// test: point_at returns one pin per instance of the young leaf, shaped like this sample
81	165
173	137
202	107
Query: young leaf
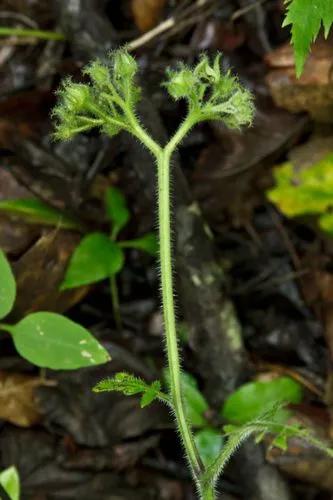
129	385
148	243
209	442
306	18
253	398
53	341
10	481
7	286
151	394
94	259
116	209
38	212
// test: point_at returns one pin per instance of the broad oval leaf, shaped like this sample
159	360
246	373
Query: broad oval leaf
116	209
10	482
253	398
7	286
53	341
95	258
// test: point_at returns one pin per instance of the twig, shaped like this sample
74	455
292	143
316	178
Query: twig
166	25
244	10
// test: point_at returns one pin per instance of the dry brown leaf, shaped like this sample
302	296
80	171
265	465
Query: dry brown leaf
147	13
18	403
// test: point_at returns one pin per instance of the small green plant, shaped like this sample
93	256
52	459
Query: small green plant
108	103
100	256
46	339
306	192
10	483
306	18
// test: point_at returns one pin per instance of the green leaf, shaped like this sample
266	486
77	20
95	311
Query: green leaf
94	259
209	443
37	212
305	192
326	223
306	18
129	385
151	394
252	399
7	286
148	243
116	209
195	403
53	341
10	481
281	441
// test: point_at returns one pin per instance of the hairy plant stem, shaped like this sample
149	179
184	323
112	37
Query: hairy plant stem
163	158
207	493
163	164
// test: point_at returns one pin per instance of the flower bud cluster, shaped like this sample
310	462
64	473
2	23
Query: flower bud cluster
211	94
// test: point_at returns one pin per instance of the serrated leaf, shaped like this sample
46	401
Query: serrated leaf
37	212
209	443
130	385
116	209
7	286
148	243
10	481
306	18
151	394
53	341
95	258
253	398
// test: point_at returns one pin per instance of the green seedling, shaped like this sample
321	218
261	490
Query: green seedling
47	339
108	103
307	192
100	256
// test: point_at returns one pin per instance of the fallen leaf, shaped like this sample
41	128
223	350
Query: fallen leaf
17	399
147	13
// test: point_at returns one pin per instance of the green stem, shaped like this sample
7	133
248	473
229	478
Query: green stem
163	163
22	32
207	493
115	303
6	327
